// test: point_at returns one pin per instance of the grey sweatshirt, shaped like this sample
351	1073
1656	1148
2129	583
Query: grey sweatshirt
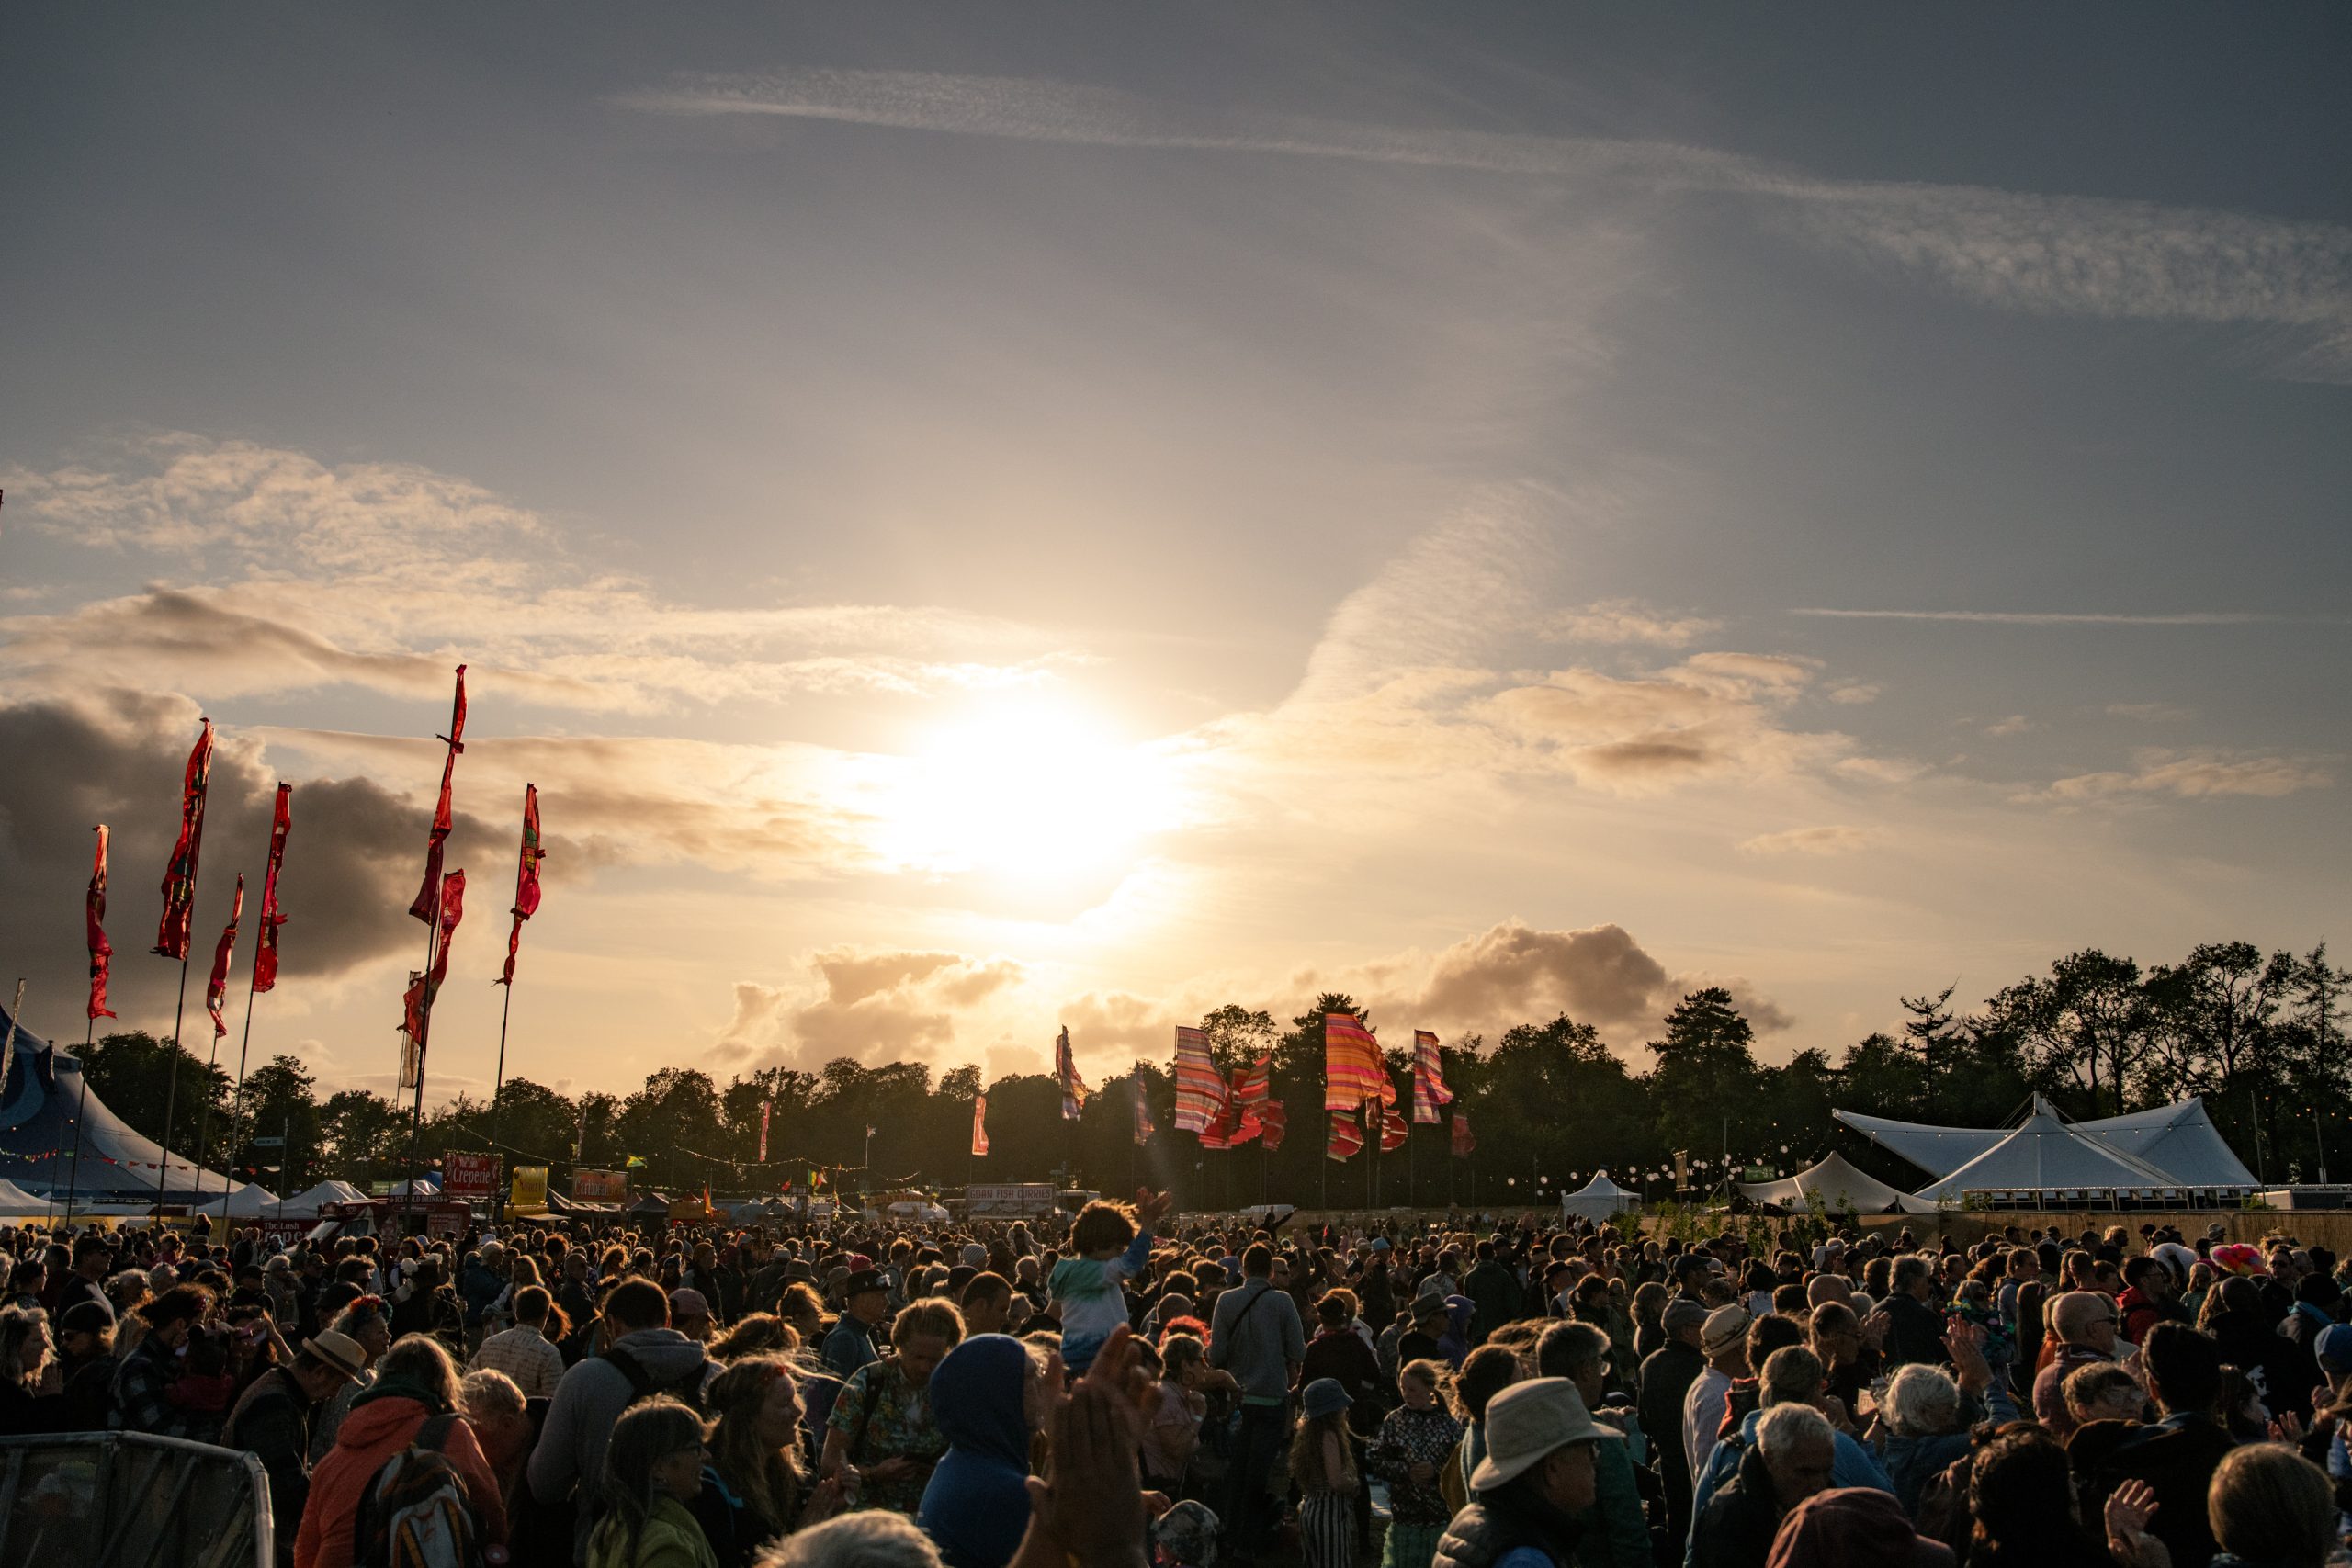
1268	1343
580	1419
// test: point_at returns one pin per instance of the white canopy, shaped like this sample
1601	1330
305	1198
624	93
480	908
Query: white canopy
305	1205
16	1201
1597	1200
2179	1140
2046	1155
1844	1188
246	1202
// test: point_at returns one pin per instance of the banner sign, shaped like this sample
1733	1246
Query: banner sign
530	1187
599	1186
469	1173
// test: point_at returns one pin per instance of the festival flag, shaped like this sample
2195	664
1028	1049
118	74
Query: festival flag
1200	1088
429	894
980	1125
179	877
416	1019
216	989
527	883
265	939
1273	1120
412	1027
1428	1079
1352	1070
1346	1137
1393	1130
767	1109
93	917
1143	1129
1257	1082
1074	1088
1463	1142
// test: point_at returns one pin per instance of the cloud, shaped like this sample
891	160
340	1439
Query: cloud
873	1005
1827	840
1627	621
1599	975
2074	617
2008	250
352	859
2153	713
1853	692
2015	724
2192	775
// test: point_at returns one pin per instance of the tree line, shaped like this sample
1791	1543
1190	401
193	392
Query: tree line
2260	1036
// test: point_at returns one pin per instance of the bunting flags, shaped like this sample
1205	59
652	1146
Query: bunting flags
216	989
1346	1137
527	883
767	1109
179	877
980	1125
1463	1142
1074	1090
272	917
429	894
1352	1070
1393	1130
1428	1079
1200	1088
416	1019
94	917
1143	1129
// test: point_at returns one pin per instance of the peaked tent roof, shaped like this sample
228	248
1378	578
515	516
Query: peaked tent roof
15	1199
325	1192
2179	1140
38	1105
2045	1154
1843	1186
1597	1199
246	1202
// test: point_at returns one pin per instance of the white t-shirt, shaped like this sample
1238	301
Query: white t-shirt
1702	1417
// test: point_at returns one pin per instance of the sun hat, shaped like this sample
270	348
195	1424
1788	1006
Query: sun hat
1324	1396
340	1351
1529	1420
1726	1327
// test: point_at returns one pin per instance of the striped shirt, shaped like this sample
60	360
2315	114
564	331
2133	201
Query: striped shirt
524	1354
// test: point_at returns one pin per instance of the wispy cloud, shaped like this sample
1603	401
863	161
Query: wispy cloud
1628	621
2068	255
2078	617
2153	713
2194	775
1825	840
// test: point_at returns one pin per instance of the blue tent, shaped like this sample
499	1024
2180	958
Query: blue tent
38	1101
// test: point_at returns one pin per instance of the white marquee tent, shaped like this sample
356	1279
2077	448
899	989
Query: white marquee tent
2179	1140
246	1203
1597	1200
15	1201
306	1205
2045	1155
1842	1186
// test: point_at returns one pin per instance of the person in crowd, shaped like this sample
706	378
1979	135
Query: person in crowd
1536	1479
1915	1330
92	1257
690	1315
642	1356
1341	1352
653	1468
86	1365
1724	1339
144	1381
501	1419
2087	1325
881	1440
413	1401
1792	1458
1616	1534
1409	1454
367	1322
1113	1244
1255	1334
1178	1404
28	1403
271	1420
753	1490
865	1302
1666	1376
2151	1296
2178	1454
1856	1525
2022	1505
1323	1468
986	1397
526	1352
2268	1507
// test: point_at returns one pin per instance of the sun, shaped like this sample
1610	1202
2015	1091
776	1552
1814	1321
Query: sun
1034	790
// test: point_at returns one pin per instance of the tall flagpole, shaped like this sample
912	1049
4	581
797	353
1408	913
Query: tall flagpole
172	1088
213	1065
81	1071
497	1089
424	1027
237	1106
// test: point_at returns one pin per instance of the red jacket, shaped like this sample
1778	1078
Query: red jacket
371	1435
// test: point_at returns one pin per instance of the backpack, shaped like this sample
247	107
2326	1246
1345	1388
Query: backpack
415	1514
642	1385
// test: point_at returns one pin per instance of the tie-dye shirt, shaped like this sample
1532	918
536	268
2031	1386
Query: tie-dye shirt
1093	1302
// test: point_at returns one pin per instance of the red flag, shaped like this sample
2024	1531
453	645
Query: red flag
1271	1117
766	1107
1346	1137
1393	1130
980	1125
93	917
1200	1088
1463	1142
416	1013
1257	1083
425	895
1352	1070
1143	1129
216	989
1074	1090
1428	1079
526	882
179	877
265	938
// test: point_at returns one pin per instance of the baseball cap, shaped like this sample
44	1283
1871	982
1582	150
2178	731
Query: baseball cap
1529	1420
861	1280
2334	1347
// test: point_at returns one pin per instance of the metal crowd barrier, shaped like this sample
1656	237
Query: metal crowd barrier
123	1500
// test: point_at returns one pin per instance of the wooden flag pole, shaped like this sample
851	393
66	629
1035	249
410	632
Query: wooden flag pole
237	1105
498	1087
171	1080
424	1025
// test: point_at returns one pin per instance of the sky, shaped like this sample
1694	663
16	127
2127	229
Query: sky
985	519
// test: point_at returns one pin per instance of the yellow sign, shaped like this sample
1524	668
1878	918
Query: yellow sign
530	1187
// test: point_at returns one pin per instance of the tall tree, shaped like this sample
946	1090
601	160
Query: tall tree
1703	1081
2085	1025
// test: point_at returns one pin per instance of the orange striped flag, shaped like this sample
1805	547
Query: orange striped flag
1346	1137
1352	1070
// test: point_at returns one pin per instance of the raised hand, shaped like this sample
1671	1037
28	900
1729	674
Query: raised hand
1093	1510
2129	1507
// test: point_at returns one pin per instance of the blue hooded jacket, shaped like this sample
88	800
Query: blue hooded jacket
977	1507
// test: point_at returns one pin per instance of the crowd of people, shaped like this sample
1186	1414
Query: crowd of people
1111	1389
